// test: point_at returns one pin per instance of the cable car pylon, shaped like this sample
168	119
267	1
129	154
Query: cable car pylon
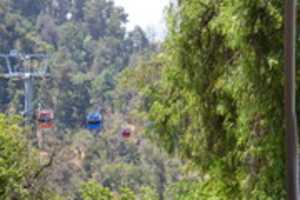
15	70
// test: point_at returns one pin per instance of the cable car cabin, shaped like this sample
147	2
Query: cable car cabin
126	133
94	122
45	119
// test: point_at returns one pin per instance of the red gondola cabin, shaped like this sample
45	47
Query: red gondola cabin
126	133
45	119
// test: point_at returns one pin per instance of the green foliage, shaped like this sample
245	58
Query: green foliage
93	191
13	159
186	190
148	193
218	100
18	164
127	194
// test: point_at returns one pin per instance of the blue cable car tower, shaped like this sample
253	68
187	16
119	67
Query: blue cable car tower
16	69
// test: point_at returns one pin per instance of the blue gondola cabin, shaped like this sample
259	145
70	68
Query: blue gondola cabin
94	122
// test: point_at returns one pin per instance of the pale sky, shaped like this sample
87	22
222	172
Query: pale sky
145	13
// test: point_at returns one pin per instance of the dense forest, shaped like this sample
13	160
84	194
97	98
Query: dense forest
204	106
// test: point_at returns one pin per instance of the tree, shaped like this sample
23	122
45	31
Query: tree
93	191
219	100
19	167
148	193
104	19
127	194
14	163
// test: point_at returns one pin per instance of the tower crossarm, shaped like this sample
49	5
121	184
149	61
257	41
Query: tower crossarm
28	71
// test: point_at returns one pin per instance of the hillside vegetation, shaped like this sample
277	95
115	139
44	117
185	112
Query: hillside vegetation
204	105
